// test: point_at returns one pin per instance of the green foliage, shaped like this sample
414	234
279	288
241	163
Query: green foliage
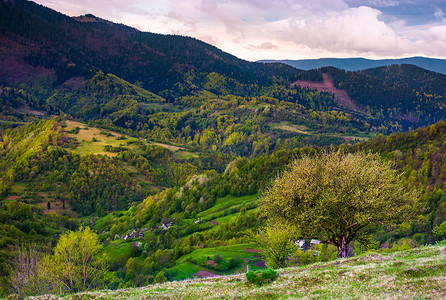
365	243
440	230
217	258
217	129
160	278
77	263
403	244
333	196
261	277
277	242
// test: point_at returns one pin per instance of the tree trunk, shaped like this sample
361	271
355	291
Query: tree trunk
342	248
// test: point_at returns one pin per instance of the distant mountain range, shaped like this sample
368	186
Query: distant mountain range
357	64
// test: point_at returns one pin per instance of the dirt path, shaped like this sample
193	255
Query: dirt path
327	85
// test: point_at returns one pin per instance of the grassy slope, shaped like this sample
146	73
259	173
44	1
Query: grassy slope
184	268
418	273
188	265
106	137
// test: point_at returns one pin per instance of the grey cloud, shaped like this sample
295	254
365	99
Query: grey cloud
374	28
263	46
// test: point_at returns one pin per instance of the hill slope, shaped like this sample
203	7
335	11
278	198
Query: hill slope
413	274
399	96
56	59
38	41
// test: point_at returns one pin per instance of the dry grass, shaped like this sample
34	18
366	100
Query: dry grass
414	274
57	207
93	141
290	127
180	152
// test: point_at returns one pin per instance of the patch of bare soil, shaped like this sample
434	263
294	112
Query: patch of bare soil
327	85
204	274
249	250
13	67
260	264
26	110
74	83
211	263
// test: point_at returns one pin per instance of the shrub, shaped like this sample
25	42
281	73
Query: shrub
235	261
217	258
261	277
160	278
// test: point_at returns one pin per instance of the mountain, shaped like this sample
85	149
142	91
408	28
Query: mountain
357	64
385	93
163	143
68	65
39	42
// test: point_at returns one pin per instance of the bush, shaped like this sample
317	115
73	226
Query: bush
235	261
160	278
217	258
261	277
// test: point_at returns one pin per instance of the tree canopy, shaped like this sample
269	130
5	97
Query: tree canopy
333	196
77	263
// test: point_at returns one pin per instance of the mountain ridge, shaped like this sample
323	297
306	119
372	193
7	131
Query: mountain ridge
358	64
69	47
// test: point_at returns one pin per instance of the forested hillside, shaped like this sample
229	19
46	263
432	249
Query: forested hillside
56	59
163	145
179	204
399	97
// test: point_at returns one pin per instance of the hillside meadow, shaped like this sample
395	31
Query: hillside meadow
417	273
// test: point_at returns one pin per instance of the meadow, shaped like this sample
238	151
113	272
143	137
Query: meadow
417	273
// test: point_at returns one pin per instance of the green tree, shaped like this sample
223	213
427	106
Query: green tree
277	242
77	263
439	231
333	196
160	278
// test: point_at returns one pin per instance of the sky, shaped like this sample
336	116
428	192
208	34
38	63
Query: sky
285	29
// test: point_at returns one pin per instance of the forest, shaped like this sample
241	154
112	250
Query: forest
180	205
159	157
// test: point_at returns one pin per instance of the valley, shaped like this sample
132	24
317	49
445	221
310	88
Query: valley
164	146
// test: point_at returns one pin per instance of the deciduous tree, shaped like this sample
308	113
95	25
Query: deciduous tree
277	242
333	196
77	263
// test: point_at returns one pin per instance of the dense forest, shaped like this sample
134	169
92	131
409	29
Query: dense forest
164	151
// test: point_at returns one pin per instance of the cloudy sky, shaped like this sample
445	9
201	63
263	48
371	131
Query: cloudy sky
286	29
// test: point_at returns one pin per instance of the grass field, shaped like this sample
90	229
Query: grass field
93	140
286	126
183	271
302	129
226	252
120	248
419	273
227	202
190	264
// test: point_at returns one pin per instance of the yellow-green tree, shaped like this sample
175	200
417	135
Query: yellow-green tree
277	243
78	262
333	196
